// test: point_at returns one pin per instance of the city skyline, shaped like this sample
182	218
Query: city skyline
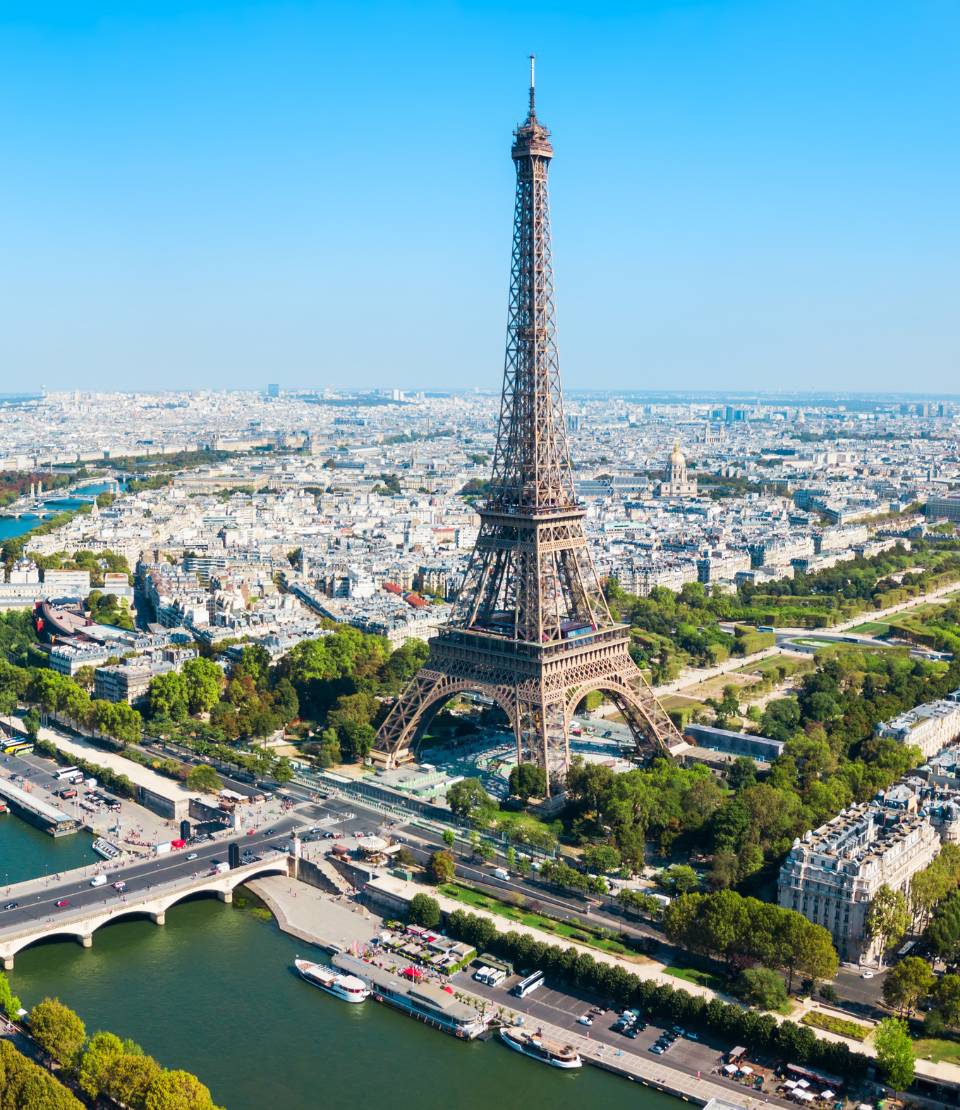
194	207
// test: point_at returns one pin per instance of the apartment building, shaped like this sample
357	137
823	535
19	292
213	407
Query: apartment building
833	874
68	658
126	683
929	727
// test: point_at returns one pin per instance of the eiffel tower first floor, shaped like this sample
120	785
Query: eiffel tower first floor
538	687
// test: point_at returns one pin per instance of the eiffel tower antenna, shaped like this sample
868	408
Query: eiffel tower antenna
530	627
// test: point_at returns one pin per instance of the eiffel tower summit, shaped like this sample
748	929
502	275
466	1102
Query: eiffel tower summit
530	627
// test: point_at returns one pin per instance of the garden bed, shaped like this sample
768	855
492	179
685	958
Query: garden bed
843	1027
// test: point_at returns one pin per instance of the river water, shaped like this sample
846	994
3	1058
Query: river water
11	526
214	991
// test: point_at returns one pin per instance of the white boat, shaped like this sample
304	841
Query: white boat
539	1047
346	987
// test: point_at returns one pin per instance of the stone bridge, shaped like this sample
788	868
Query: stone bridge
84	922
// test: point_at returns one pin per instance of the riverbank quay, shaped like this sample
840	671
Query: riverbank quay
654	1073
330	922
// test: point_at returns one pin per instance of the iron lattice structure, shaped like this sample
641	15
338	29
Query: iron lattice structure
531	628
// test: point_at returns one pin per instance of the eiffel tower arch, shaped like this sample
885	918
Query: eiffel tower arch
530	628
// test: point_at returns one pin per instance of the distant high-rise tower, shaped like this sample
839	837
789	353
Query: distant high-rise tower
273	391
531	628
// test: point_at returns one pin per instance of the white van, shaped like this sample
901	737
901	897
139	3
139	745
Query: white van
482	974
99	880
496	977
501	873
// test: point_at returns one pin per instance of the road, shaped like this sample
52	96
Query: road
351	816
140	877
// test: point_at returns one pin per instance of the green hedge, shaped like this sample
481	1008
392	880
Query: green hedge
758	1031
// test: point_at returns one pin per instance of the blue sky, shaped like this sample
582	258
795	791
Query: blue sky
224	194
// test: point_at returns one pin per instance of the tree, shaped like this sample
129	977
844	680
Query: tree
894	1052
523	865
58	1030
601	858
449	837
680	879
442	867
762	987
742	772
907	984
9	1002
486	851
177	1090
132	1076
946	994
469	800
887	917
282	770
818	958
96	1064
202	680
528	780
204	778
424	910
167	696
31	722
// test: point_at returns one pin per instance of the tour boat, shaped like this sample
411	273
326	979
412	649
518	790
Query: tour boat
539	1047
346	987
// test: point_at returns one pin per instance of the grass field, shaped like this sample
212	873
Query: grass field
871	628
683	970
560	929
938	1050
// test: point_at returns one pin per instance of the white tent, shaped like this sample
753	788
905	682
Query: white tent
807	1096
730	1068
828	1094
746	1070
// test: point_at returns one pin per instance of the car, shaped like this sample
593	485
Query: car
867	975
679	1030
657	1048
193	855
631	1032
358	835
269	832
11	905
328	836
119	885
692	1037
585	1020
64	902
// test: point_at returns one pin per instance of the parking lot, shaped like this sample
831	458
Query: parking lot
563	1008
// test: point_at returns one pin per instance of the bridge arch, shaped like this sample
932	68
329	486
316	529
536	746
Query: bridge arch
400	739
627	701
82	930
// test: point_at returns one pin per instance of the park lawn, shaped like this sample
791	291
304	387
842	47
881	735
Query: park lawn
679	701
937	1049
871	628
683	970
560	929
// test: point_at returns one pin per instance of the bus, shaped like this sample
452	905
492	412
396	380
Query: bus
525	986
68	772
19	747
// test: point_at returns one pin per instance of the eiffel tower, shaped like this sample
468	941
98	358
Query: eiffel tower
530	628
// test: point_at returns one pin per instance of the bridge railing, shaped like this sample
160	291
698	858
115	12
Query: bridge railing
85	913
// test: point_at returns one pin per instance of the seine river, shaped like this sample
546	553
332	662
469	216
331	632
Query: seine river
214	992
11	526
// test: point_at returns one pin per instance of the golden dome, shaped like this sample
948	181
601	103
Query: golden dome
677	457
